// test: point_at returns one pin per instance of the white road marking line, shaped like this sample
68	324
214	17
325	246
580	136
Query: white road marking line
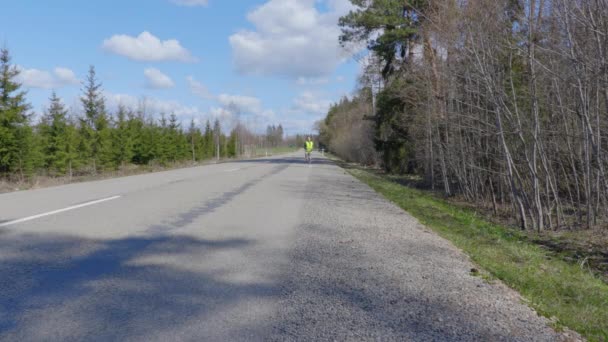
54	212
232	170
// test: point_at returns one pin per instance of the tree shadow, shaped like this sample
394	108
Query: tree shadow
62	287
288	160
67	288
59	287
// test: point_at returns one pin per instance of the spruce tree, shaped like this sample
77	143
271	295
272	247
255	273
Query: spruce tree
95	125
71	147
122	139
232	144
217	137
16	140
280	134
194	140
143	150
178	146
208	139
163	137
53	130
147	147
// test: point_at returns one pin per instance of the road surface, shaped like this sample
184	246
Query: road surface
267	249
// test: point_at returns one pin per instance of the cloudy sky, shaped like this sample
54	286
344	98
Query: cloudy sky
274	61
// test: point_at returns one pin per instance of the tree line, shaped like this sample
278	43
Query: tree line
502	102
60	144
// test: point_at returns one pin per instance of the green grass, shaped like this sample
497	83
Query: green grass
564	292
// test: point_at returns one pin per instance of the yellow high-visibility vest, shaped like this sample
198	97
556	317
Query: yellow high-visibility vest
309	146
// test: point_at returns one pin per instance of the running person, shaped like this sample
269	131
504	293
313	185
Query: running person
308	147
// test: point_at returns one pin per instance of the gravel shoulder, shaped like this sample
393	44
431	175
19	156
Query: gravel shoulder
363	269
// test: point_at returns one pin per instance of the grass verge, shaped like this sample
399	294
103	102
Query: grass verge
568	294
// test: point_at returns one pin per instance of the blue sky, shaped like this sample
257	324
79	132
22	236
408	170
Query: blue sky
271	61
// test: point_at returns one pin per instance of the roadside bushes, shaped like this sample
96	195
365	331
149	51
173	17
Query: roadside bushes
347	132
501	102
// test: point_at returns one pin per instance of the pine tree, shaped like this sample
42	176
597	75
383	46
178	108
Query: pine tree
280	134
150	141
176	139
389	27
15	131
143	148
163	148
53	131
122	139
269	135
231	144
208	139
194	139
95	125
217	137
71	147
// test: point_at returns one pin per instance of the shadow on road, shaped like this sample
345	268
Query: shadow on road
333	287
289	160
56	287
65	288
62	288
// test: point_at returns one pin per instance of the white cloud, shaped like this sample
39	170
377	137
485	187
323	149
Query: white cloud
233	103
147	47
157	80
292	38
226	114
299	126
267	114
307	81
152	105
222	114
34	78
198	89
308	102
65	76
228	117
246	104
191	3
58	78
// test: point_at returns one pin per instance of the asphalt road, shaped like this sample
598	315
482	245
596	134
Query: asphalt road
268	249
